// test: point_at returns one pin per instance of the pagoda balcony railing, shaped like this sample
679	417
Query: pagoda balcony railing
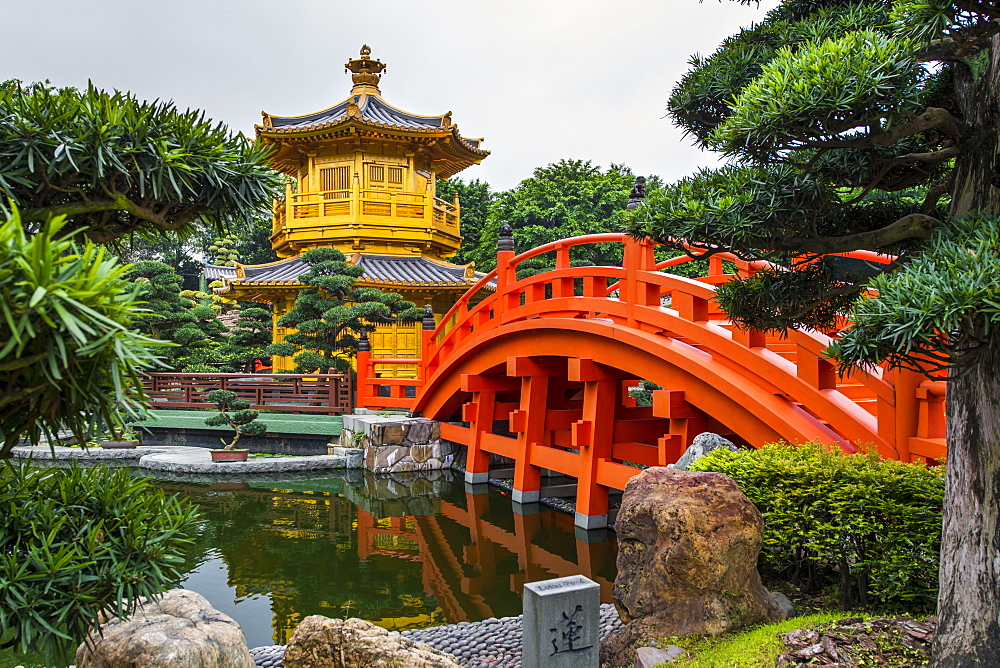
445	213
360	205
279	216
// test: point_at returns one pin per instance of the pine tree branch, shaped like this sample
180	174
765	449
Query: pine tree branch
916	226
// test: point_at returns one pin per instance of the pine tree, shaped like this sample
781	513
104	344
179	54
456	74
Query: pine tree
330	313
869	125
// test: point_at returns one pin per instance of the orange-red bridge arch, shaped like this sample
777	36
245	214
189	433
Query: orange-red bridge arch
537	369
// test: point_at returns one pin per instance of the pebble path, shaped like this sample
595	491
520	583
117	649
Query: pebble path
491	643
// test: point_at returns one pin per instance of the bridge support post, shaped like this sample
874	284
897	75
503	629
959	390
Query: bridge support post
479	414
593	435
529	423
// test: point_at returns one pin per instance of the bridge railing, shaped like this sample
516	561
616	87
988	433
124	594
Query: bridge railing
375	392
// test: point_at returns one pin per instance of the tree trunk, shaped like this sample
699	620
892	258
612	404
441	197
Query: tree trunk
969	600
977	172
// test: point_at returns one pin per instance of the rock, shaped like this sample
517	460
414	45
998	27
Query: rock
784	603
392	434
687	560
420	431
646	657
321	642
180	629
702	444
421	453
354	456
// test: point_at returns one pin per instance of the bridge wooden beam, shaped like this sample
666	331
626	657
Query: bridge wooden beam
673	404
818	372
637	453
689	306
643	431
521	367
751	338
584	370
471	382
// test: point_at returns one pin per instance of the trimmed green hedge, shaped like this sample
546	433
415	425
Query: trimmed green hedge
871	524
75	542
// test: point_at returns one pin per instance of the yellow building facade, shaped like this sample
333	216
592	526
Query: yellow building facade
362	177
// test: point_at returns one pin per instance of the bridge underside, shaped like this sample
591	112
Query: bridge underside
553	394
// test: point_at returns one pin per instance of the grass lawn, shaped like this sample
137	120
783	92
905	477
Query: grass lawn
752	647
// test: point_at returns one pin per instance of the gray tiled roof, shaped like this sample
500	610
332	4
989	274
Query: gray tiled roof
214	272
377	268
288	270
371	109
388	267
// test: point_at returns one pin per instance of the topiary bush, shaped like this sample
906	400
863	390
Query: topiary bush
75	542
871	525
236	414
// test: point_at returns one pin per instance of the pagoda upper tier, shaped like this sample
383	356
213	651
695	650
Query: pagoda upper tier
363	174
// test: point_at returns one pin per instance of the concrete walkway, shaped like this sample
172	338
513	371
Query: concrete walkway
181	459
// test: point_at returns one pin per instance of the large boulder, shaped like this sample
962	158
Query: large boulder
702	444
687	560
179	629
321	642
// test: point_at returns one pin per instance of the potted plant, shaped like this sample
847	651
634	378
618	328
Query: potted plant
237	415
120	439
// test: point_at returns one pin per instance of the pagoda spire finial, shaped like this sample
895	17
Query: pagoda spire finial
365	72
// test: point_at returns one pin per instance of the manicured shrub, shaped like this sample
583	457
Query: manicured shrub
871	523
234	413
75	542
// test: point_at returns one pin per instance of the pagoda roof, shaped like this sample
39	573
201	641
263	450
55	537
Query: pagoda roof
216	272
366	113
371	109
390	270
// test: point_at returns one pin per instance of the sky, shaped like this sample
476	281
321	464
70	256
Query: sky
539	80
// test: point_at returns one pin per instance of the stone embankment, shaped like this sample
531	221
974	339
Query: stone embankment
491	643
180	459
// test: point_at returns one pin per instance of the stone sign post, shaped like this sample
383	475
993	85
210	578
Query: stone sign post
561	623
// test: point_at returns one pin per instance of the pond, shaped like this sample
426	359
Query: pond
402	551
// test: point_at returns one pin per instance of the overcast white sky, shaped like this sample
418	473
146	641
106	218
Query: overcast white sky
540	80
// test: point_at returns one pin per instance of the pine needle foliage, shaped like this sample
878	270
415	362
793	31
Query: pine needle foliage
330	314
234	413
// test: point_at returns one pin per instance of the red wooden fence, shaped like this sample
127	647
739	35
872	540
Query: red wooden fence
330	394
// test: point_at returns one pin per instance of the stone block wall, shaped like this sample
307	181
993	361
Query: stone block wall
392	444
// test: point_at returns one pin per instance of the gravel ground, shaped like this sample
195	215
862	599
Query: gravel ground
491	643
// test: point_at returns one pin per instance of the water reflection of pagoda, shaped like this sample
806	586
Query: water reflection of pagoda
362	177
316	552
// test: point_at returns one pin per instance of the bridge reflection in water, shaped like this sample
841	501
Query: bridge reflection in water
403	551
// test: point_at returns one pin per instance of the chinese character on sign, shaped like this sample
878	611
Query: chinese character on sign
566	638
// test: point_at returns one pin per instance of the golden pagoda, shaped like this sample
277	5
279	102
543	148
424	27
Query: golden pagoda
362	179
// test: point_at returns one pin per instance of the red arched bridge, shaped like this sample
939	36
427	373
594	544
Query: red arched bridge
538	369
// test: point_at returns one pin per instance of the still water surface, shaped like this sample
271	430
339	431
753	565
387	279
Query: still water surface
402	551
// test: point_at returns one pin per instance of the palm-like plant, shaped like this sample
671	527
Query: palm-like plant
69	355
114	165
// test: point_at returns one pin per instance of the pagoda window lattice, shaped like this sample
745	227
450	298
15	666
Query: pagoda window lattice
336	182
